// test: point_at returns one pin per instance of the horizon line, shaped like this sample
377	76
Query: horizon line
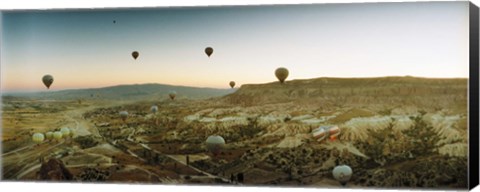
2	91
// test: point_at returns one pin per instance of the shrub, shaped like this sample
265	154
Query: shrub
86	141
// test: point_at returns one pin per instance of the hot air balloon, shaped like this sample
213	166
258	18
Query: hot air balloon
209	51
282	74
232	84
47	80
154	109
124	115
215	144
172	95
326	131
65	132
135	54
57	135
49	135
38	138
342	174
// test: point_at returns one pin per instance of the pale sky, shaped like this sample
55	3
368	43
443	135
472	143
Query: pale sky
85	49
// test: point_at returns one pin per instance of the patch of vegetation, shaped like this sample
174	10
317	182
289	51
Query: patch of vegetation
252	128
434	172
410	158
93	174
387	145
424	138
86	141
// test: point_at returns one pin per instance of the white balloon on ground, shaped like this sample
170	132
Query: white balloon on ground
342	173
49	135
65	132
215	144
57	135
323	132
172	95
124	115
154	108
38	137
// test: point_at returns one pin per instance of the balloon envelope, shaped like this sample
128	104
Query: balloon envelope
209	51
47	80
282	74
57	135
323	132
65	132
49	135
38	137
172	95
232	84
215	143
342	173
123	115
154	108
135	54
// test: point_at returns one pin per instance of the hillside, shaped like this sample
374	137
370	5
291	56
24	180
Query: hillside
126	92
353	91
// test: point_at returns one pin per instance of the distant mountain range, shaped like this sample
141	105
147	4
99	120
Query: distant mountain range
126	92
346	90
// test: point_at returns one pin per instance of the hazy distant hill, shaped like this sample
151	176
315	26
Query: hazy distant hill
328	91
355	90
127	92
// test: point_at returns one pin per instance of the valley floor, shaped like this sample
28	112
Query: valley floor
269	144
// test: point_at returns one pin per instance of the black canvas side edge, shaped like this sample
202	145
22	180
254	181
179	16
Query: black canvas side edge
473	157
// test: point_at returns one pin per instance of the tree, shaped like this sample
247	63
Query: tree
425	140
420	139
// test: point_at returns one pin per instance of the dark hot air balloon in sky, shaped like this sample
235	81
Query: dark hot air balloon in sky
232	84
47	80
135	54
282	74
209	51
